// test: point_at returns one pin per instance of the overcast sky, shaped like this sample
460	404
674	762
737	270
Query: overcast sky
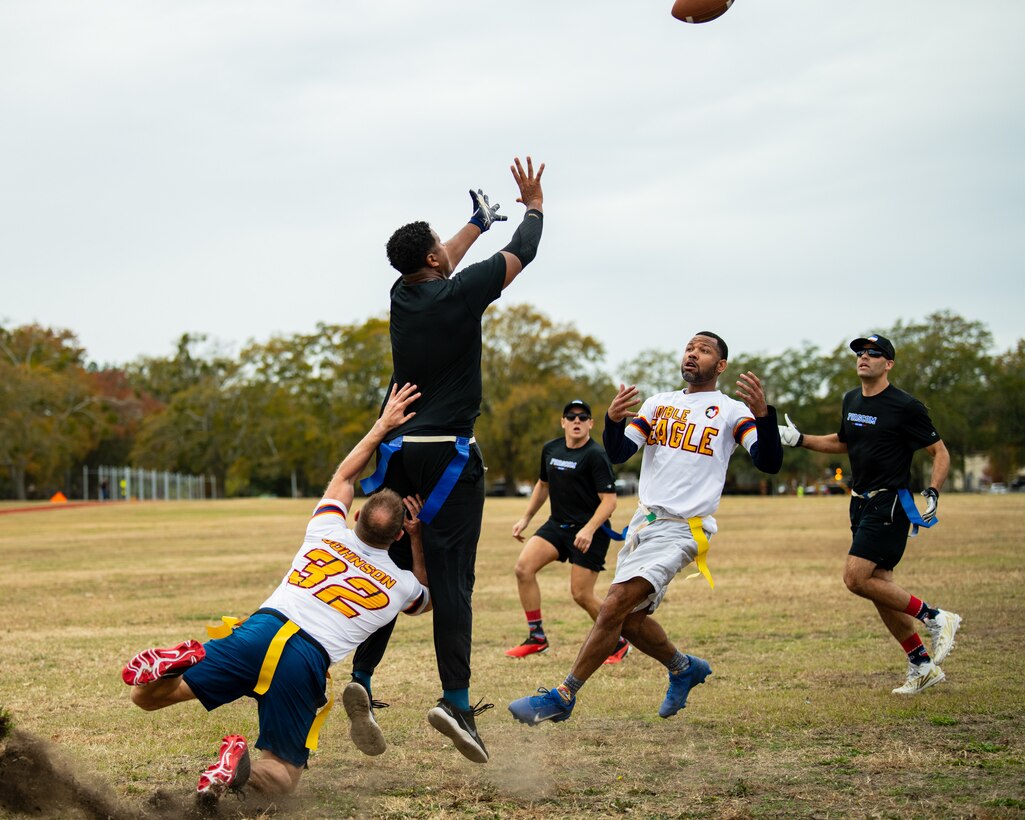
797	170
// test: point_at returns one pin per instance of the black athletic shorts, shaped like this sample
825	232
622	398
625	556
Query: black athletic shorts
880	528
561	537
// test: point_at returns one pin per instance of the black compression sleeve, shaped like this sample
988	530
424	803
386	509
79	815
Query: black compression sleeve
524	242
767	452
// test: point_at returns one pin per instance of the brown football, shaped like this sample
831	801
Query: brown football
700	11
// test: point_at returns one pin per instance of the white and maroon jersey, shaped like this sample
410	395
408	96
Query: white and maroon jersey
340	590
687	441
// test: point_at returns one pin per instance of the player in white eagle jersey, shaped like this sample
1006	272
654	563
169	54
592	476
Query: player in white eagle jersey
342	586
688	437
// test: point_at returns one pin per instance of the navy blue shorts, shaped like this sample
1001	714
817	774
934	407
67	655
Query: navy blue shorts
231	669
880	528
561	537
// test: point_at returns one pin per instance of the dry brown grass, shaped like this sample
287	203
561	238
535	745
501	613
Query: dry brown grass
797	720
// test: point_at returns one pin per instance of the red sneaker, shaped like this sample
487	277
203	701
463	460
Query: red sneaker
231	771
531	646
621	651
151	664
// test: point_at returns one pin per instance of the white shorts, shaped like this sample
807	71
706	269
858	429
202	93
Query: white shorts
655	552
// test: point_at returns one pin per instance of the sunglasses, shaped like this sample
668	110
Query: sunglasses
871	352
577	417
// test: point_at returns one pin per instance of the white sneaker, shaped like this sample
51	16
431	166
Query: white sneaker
920	677
942	630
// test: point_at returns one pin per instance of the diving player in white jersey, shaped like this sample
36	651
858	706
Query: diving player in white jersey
688	437
341	587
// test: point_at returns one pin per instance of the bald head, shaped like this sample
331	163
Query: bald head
380	519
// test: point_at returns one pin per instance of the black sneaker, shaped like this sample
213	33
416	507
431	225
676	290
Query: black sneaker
460	727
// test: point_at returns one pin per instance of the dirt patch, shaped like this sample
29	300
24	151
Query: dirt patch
35	782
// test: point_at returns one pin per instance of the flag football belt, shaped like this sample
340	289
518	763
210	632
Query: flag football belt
615	535
697	531
273	656
907	501
444	485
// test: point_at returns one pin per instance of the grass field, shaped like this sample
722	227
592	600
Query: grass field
797	720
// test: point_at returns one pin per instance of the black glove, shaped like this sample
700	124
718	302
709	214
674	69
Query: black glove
484	213
932	496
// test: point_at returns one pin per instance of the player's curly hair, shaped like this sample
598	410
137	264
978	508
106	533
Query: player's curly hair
380	518
408	247
724	352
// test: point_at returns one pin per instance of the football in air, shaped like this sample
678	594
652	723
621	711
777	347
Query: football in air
700	11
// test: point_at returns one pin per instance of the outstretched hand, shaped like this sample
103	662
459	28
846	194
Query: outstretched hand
626	399
394	413
484	213
790	436
529	183
749	388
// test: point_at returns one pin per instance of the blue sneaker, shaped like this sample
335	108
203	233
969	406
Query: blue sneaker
548	705
680	686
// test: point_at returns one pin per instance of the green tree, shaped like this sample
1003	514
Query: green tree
50	415
651	371
531	367
945	362
1007	412
312	398
203	427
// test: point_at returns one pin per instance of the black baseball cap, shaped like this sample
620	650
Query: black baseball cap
881	342
577	403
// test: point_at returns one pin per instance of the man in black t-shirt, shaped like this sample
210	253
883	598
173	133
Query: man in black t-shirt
881	427
576	476
436	345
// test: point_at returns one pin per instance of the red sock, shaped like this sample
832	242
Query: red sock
533	615
914	607
915	649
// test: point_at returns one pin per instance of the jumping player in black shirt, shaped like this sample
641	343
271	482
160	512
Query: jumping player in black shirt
880	429
436	334
576	475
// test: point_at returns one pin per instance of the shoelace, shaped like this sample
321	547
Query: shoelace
379	704
478	709
542	691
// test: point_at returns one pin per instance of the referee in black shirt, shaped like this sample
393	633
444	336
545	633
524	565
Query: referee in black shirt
436	345
880	429
576	476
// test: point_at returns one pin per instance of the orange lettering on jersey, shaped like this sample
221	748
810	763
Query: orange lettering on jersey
361	591
321	565
687	444
660	431
667	411
675	434
369	569
705	447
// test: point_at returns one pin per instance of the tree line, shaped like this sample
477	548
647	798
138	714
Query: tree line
282	412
